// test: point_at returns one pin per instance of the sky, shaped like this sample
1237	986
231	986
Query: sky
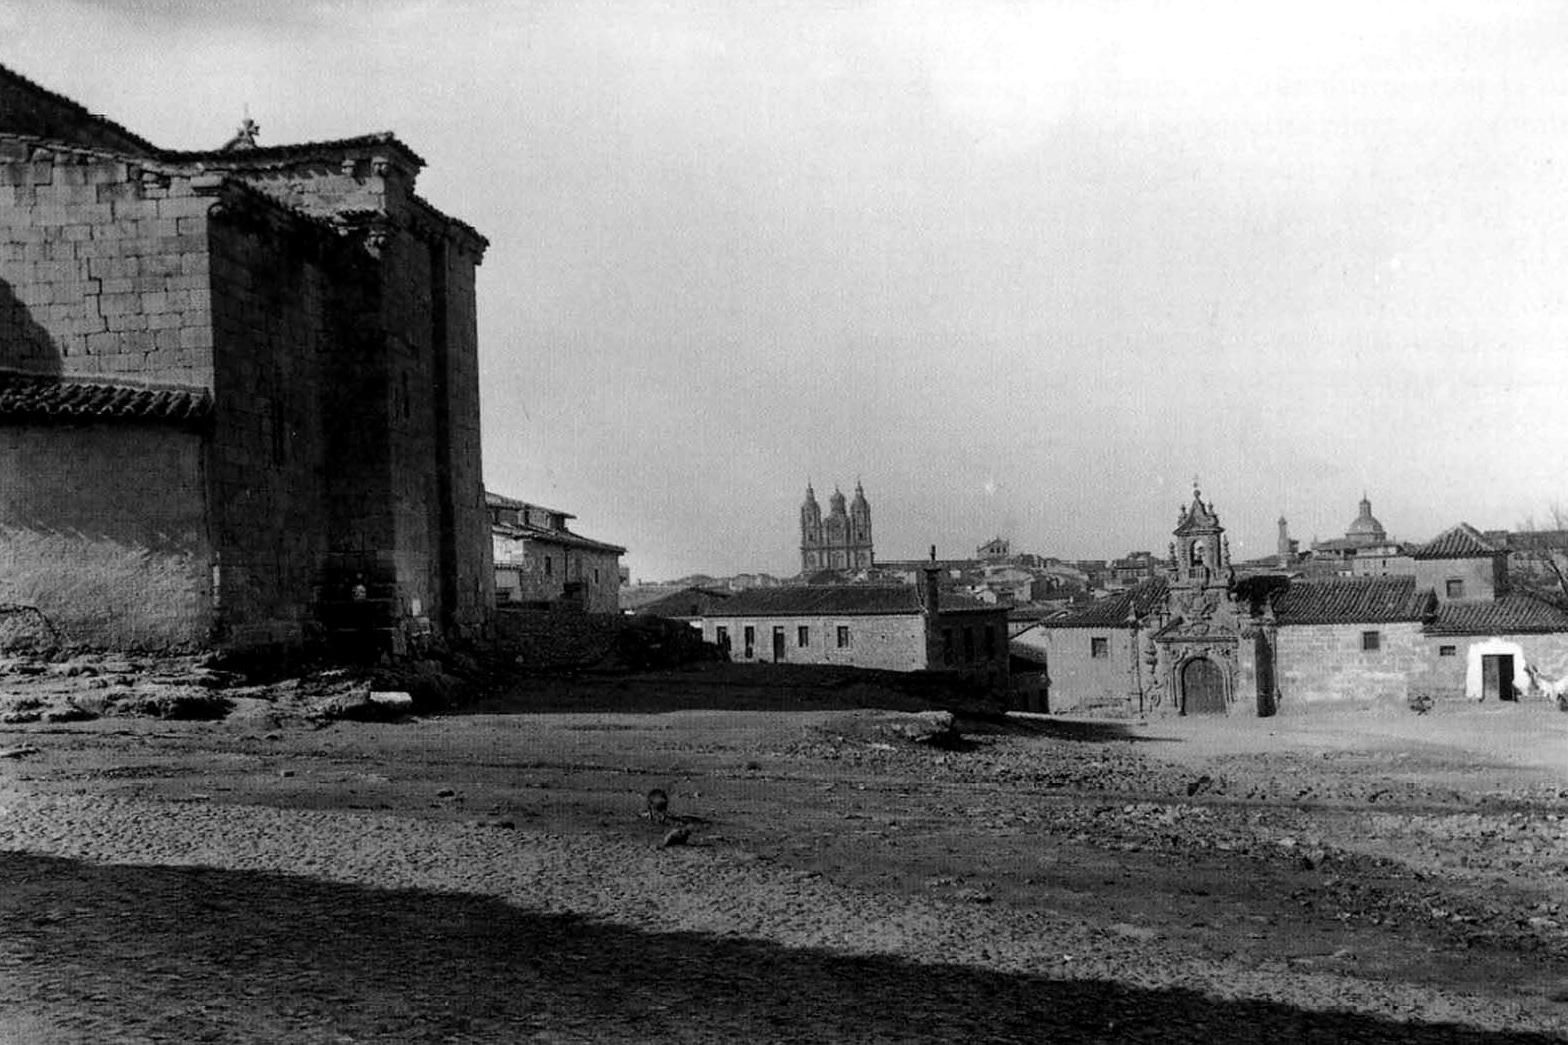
1022	269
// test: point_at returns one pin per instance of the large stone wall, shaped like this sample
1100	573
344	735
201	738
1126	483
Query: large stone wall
1324	664
103	268
892	642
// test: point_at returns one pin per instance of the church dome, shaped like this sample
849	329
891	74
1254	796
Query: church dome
1365	526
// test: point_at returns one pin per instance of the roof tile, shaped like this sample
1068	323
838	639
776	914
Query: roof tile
1112	611
30	397
1457	542
1352	600
1510	614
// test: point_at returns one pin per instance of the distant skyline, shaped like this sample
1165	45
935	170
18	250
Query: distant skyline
1023	269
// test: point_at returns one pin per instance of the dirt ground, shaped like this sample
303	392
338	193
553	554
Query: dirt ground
489	876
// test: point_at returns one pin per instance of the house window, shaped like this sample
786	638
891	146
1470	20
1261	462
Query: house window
749	635
990	642
843	636
1099	647
549	566
802	636
721	638
1448	651
1455	587
969	645
596	575
947	645
1371	640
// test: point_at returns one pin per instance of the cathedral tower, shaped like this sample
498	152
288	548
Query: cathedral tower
842	540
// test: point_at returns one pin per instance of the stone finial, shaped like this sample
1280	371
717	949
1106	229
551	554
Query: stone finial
245	137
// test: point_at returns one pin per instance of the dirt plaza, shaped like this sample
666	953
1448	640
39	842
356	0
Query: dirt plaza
490	875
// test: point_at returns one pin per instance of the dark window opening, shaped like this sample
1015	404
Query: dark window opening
843	636
749	636
990	642
1455	588
947	645
1099	648
969	645
803	636
1448	651
1371	640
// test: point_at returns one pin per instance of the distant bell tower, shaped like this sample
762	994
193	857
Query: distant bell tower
860	555
1200	552
811	551
1287	548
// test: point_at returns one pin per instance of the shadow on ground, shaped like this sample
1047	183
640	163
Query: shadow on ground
724	687
1088	732
118	953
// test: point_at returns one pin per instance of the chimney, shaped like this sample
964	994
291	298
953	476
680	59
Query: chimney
933	573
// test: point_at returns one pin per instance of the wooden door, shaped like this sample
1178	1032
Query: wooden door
1497	677
1202	688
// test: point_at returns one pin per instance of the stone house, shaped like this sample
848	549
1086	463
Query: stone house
1206	642
889	627
539	561
242	381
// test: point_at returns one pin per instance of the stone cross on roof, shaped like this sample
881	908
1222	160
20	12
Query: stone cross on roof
245	137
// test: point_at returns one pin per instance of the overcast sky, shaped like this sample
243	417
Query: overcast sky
1023	268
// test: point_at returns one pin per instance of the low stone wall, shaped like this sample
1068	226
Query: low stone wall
556	639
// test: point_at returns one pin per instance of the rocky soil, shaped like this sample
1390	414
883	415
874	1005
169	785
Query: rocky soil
273	868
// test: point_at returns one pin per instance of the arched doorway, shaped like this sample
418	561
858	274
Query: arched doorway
1202	688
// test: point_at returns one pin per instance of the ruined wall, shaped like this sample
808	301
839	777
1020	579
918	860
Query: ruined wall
1081	683
892	642
81	539
103	268
1324	664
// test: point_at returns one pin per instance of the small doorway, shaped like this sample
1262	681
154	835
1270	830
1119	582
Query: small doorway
778	645
1202	688
1497	677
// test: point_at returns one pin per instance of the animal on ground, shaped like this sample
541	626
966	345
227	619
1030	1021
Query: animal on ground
658	806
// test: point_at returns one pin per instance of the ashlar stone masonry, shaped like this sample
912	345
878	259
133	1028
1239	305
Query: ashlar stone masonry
317	319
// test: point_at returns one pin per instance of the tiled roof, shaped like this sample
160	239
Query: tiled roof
827	599
1111	612
565	538
30	397
1352	600
1507	615
278	155
688	602
1458	542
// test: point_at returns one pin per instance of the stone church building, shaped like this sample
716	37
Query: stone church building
238	388
842	541
1205	641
